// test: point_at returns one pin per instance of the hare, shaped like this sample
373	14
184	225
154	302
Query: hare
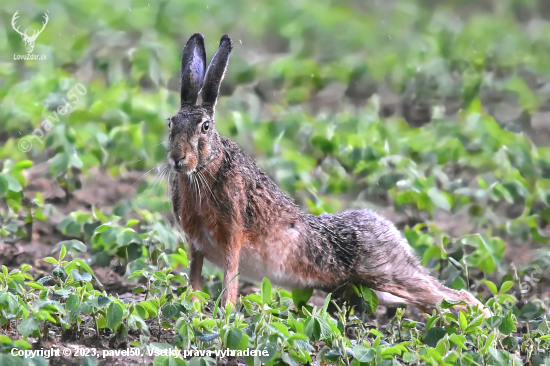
238	219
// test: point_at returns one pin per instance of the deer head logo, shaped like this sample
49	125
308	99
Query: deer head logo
29	40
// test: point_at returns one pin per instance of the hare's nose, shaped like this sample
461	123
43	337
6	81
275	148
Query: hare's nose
178	159
179	162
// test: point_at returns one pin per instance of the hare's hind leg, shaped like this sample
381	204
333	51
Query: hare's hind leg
425	292
385	298
386	263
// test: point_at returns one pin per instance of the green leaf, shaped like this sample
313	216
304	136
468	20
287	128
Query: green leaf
326	304
505	287
447	304
270	349
462	321
128	236
288	359
72	302
507	326
266	290
27	326
87	306
161	361
71	245
491	286
22	344
298	337
59	272
3	186
81	276
59	164
527	99
138	290
87	269
17	170
103	300
410	358
131	223
207	337
201	361
233	338
13	184
280	327
36	285
370	298
140	310
13	302
61	294
169	311
433	251
458	340
102	322
334	354
300	297
114	315
434	335
313	329
488	343
63	252
363	354
152	309
476	322
325	145
439	199
50	260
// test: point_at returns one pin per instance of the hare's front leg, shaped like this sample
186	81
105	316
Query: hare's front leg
231	269
195	273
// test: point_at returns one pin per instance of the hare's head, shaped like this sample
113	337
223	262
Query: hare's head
193	140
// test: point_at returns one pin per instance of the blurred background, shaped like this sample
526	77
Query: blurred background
434	113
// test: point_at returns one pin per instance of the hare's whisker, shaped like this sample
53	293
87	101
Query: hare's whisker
144	174
199	182
201	176
168	184
164	177
204	168
167	189
152	183
198	190
195	188
159	178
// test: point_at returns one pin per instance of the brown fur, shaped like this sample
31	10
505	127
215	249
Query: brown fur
237	218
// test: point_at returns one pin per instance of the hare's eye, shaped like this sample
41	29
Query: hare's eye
205	126
170	123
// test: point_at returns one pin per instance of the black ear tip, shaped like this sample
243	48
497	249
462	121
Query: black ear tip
197	37
226	39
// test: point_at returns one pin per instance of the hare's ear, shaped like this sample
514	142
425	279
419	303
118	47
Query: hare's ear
214	75
193	64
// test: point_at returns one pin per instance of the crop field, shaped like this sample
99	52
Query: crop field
435	114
